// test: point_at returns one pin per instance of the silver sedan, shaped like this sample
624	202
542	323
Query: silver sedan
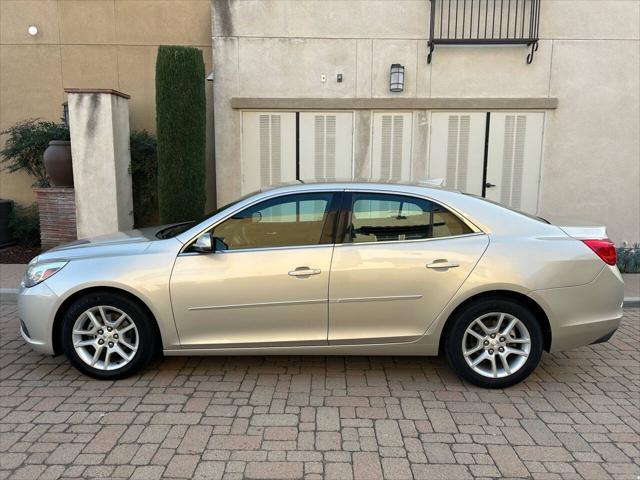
330	269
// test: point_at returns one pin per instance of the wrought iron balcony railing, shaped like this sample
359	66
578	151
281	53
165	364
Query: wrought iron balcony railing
484	22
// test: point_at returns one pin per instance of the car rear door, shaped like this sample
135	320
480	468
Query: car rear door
401	260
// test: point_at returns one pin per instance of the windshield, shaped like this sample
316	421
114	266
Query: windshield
528	215
178	228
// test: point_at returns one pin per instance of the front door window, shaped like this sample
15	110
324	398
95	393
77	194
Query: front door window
287	221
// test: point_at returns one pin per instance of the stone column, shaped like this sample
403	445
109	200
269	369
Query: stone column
99	124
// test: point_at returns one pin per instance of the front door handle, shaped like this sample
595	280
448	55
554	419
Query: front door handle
489	185
304	272
442	264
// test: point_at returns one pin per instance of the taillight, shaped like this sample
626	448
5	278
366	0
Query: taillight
605	249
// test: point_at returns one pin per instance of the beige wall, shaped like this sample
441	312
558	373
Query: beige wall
89	44
588	59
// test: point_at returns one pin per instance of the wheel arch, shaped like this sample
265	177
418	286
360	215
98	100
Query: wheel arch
64	306
521	298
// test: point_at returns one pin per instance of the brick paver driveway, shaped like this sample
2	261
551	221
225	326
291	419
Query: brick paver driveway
313	417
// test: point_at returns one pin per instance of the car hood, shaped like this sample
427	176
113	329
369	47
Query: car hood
119	243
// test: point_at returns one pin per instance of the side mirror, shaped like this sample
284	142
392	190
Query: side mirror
204	243
207	243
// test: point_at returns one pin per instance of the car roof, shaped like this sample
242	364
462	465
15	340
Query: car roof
427	183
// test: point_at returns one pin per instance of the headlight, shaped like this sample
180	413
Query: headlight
39	272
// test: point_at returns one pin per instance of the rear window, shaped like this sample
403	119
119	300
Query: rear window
528	215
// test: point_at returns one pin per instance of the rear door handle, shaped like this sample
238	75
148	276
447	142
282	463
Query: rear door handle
442	264
304	272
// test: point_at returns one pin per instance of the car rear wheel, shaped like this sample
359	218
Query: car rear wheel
494	343
107	336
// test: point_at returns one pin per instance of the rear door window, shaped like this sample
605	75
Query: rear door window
378	217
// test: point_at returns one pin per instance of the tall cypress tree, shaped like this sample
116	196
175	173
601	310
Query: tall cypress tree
181	133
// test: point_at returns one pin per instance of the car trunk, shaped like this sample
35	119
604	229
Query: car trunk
585	232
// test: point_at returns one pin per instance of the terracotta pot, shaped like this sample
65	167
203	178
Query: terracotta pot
57	163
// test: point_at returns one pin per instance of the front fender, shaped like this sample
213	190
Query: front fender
145	277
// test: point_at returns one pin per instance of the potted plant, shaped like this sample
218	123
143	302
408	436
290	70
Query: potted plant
629	258
26	148
57	156
57	163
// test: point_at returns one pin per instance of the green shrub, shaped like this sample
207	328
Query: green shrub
629	258
24	225
144	178
181	130
26	144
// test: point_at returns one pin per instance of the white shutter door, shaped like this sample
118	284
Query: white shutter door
456	149
513	165
268	149
326	145
391	153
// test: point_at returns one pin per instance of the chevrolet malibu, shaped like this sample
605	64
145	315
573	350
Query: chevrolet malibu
330	269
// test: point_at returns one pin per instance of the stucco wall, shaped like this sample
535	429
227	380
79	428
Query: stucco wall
587	58
90	44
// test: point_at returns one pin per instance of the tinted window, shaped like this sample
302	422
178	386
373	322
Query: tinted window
290	220
446	223
380	217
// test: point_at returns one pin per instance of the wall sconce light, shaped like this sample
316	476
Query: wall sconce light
396	78
32	30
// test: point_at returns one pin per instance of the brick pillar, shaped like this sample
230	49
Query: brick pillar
57	208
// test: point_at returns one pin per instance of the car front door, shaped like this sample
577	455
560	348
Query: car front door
402	260
268	283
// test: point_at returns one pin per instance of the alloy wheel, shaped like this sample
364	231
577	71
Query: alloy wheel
105	337
496	345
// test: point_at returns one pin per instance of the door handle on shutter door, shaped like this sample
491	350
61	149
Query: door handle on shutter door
442	263
304	272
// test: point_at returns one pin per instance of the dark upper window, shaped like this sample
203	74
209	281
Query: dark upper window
377	217
290	220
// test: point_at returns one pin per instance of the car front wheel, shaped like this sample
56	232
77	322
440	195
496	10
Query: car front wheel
494	343
107	336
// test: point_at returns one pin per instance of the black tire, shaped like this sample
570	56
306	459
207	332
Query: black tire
463	319
138	315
